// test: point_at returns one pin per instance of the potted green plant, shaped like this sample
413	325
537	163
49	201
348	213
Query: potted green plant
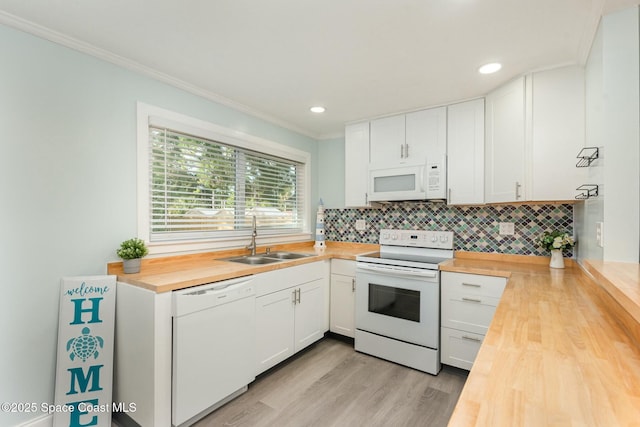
556	241
131	251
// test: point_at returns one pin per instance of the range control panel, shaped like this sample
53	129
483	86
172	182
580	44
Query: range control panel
417	238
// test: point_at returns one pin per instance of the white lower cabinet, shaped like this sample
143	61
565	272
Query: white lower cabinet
343	297
468	302
290	311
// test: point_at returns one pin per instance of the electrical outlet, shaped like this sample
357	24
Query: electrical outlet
507	229
600	234
361	225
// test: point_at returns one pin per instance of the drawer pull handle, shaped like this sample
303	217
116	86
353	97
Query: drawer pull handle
471	299
466	337
474	285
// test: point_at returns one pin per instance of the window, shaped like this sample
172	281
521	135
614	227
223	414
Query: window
206	183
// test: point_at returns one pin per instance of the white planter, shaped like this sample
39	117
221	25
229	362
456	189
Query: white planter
557	261
131	265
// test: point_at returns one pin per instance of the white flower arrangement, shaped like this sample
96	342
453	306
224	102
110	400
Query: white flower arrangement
551	240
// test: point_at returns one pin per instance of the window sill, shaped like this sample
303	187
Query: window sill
194	246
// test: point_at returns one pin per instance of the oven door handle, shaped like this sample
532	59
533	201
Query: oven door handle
397	271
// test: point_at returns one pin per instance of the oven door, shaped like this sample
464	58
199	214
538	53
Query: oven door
399	302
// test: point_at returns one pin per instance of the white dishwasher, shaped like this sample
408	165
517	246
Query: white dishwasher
213	347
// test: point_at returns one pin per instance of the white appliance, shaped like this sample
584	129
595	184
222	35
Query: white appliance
213	347
398	298
422	182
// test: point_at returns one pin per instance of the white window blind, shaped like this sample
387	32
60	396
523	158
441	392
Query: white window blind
201	188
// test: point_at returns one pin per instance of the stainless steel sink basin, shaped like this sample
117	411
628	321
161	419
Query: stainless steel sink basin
252	260
269	258
285	255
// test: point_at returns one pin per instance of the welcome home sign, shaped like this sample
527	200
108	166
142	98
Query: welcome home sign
84	370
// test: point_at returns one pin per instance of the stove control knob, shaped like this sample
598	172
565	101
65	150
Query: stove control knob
385	236
443	239
394	237
434	239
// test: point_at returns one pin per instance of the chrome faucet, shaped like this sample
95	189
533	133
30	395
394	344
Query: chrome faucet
254	233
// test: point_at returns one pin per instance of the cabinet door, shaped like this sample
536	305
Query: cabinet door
387	141
558	133
274	328
459	348
309	314
343	305
505	143
465	148
356	164
426	136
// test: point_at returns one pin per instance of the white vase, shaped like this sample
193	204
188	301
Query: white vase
557	261
131	265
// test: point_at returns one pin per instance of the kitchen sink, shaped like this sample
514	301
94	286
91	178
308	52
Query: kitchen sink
285	255
266	258
252	260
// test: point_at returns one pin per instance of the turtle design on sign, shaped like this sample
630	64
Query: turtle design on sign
84	346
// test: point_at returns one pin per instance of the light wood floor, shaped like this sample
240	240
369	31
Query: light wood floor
330	384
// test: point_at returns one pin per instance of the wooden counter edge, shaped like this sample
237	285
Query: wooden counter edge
617	303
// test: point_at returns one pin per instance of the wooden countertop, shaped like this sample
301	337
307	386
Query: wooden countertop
558	352
178	272
563	347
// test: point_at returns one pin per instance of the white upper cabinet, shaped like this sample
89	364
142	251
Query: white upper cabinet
535	127
387	141
505	143
409	139
558	133
426	136
465	147
356	156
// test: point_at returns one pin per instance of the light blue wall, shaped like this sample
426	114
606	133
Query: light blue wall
613	124
68	173
331	172
591	211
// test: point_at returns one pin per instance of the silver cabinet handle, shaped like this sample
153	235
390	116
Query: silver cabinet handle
518	185
470	299
298	291
293	296
466	337
406	150
402	151
473	285
449	195
353	284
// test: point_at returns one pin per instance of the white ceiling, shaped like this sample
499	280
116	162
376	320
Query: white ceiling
360	59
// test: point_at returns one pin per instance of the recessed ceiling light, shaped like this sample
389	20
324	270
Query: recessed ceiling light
317	109
489	68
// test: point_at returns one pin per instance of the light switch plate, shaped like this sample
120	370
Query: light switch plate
600	234
361	225
507	229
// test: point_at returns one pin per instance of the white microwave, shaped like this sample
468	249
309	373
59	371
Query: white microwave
425	182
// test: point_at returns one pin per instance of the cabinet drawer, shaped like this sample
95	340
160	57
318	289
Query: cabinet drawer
470	285
343	266
468	314
459	348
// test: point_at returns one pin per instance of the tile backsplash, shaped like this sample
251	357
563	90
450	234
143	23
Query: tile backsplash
476	228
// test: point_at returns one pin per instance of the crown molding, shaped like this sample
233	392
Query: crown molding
105	55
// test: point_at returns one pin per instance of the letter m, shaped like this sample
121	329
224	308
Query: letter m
78	377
